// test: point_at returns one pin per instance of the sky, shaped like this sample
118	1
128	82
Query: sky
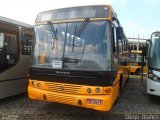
137	17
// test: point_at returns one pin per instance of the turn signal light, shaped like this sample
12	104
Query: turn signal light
107	90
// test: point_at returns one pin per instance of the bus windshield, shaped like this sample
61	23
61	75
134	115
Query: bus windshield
154	55
75	46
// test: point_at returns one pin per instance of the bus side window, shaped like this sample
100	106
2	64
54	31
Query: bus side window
114	38
120	46
115	49
1	40
26	41
3	52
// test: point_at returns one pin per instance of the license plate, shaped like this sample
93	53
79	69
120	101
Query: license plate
94	101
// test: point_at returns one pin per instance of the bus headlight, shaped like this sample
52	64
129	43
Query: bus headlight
32	83
98	90
150	75
89	90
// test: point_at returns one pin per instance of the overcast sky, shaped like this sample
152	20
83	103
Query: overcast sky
136	16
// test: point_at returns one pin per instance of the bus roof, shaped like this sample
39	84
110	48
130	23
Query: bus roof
15	22
95	11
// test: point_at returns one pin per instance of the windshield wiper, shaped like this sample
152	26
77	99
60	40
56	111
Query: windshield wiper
53	33
78	32
81	27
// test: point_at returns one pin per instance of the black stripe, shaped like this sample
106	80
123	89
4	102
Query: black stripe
96	78
13	79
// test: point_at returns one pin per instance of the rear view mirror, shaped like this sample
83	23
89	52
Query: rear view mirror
144	50
120	33
145	47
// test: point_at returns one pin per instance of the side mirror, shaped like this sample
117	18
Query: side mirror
145	48
120	33
148	41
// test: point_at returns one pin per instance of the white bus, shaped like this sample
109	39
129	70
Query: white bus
15	52
153	77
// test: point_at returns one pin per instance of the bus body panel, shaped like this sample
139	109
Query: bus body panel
14	80
124	74
20	70
13	87
72	99
15	53
153	87
53	93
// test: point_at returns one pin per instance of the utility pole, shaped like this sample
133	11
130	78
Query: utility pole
138	43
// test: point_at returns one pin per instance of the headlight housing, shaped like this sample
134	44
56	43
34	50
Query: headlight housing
89	90
98	90
152	76
33	83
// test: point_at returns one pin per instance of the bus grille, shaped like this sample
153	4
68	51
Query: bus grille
61	98
63	88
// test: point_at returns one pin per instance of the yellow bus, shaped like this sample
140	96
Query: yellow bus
135	63
76	58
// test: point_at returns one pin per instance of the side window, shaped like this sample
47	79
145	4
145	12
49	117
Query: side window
123	45
115	47
26	41
1	40
120	46
10	44
115	50
8	50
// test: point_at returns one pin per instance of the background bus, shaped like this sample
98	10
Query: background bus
76	58
135	64
15	53
153	64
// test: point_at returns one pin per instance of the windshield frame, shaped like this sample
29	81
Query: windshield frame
107	27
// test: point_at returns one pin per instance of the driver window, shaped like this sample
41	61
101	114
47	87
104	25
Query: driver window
8	50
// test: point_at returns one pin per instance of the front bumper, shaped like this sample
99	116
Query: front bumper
76	100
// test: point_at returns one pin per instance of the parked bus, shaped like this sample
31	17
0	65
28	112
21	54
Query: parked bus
76	58
135	64
153	64
15	54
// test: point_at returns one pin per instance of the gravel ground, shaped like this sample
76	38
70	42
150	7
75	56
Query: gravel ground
133	104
